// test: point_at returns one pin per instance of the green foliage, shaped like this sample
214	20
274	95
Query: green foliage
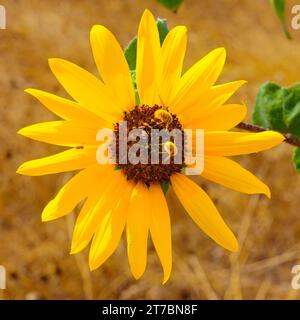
171	4
291	103
279	7
162	29
296	159
165	186
268	109
278	108
130	53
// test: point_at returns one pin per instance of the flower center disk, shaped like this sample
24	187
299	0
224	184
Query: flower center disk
147	118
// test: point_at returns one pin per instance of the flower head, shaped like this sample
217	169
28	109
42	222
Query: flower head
131	197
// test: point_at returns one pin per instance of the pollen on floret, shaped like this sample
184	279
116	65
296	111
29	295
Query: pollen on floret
147	118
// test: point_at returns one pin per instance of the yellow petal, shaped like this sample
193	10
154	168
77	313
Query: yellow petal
79	242
66	109
160	229
199	78
69	160
137	229
112	66
219	94
148	61
74	191
208	101
108	234
235	143
62	133
92	214
173	51
225	117
86	89
230	174
202	210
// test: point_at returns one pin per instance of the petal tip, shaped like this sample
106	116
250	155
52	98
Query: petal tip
267	193
275	136
96	29
46	216
147	12
21	170
265	190
137	276
147	15
166	278
184	29
137	273
221	51
29	90
92	265
281	137
180	28
77	246
234	247
22	131
73	250
54	62
46	219
244	110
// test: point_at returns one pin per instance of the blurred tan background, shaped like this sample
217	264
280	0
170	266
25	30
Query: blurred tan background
35	254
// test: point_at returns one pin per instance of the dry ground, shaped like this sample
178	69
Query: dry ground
36	255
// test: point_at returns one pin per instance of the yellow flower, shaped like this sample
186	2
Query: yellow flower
132	197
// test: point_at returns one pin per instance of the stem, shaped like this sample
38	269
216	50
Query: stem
251	127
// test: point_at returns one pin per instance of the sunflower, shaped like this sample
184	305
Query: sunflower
129	196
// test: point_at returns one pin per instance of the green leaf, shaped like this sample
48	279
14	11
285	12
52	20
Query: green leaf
130	53
268	108
278	108
279	7
171	4
136	94
296	159
162	29
291	105
165	186
117	168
